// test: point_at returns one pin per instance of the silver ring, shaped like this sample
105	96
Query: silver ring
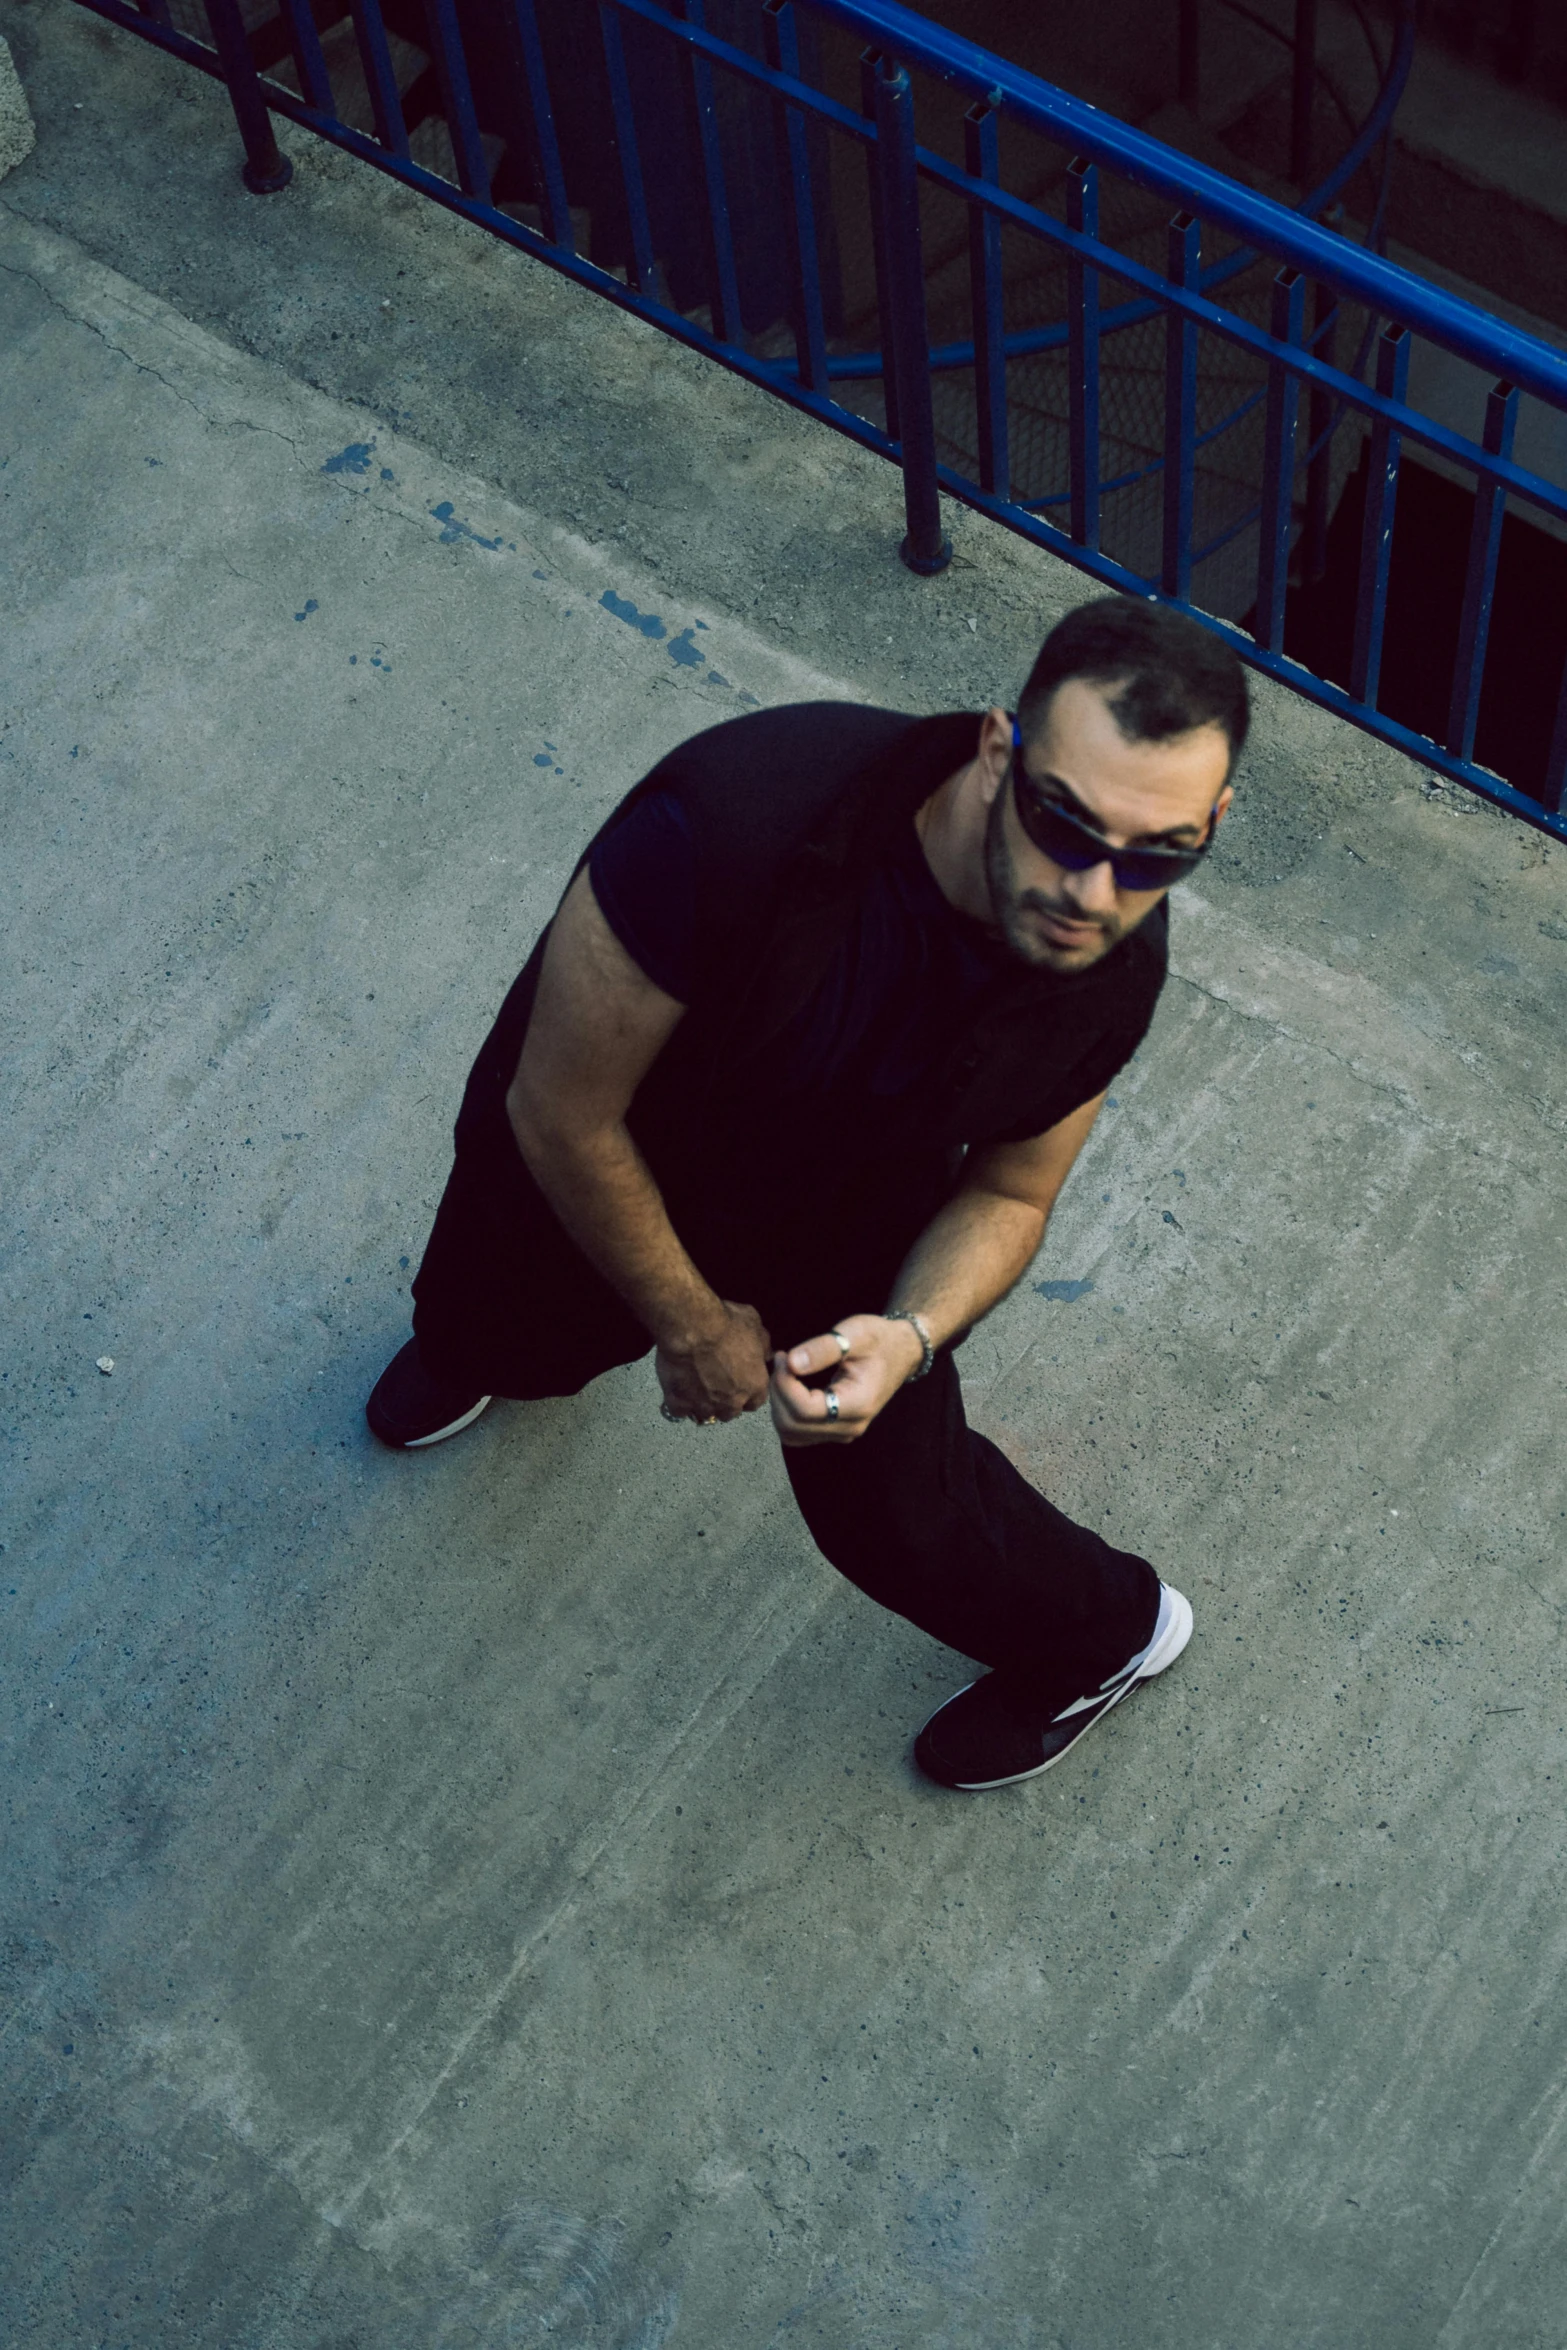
670	1415
843	1344
832	1404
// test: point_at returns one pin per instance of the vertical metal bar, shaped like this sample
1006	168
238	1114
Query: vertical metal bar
810	334
870	67
1082	214
380	78
725	289
1319	420
1485	546
265	169
982	159
1303	88
314	82
924	549
1287	325
451	72
1376	530
1189	38
641	268
541	123
1180	410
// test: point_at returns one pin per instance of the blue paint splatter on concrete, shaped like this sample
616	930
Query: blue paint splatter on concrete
353	660
454	528
75	747
155	460
387	474
377	661
1063	1293
1175	1220
541	575
713	678
354	459
683	651
701	624
310	606
1111	1103
751	698
542	759
623	609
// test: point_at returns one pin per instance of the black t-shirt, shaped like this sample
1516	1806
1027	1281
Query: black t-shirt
905	983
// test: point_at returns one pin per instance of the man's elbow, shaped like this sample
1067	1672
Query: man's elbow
550	1133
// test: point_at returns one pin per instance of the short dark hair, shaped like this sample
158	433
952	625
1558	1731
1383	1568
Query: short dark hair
1173	674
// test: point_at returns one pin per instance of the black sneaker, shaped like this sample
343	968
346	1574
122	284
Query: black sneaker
989	1735
408	1408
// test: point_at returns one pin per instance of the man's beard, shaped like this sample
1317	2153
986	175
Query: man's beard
1012	907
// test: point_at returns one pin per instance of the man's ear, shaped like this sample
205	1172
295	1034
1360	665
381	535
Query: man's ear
1221	806
995	749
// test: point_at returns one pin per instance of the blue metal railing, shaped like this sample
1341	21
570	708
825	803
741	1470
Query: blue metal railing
1280	355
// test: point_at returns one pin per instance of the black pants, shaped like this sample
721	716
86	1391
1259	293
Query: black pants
921	1513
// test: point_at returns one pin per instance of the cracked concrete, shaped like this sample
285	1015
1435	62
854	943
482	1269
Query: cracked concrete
484	1899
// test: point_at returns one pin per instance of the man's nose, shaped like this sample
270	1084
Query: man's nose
1094	888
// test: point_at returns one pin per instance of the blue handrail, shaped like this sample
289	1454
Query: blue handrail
772	77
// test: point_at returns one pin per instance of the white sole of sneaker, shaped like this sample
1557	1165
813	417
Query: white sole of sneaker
1173	1639
456	1427
1161	1653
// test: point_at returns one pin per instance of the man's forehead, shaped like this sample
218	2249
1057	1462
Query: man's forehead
1147	787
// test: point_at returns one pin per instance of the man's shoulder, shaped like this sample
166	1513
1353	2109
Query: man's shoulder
781	748
762	786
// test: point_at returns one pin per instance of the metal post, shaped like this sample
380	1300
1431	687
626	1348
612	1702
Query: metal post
1303	88
924	548
1189	36
782	42
305	42
381	78
1376	529
462	121
641	267
870	73
1278	464
981	155
265	168
1485	546
1319	439
723	284
555	205
1180	410
1082	215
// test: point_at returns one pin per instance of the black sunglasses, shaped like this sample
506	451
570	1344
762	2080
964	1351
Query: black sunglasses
1067	841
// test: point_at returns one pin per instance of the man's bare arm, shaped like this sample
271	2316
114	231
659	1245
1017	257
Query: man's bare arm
598	1025
964	1262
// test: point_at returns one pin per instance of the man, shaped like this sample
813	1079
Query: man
805	1056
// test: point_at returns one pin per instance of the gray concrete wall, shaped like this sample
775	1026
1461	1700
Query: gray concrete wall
484	1899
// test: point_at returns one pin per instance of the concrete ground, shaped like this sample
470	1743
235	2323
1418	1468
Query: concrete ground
484	1899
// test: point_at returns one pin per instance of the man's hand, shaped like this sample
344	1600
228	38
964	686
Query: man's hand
880	1358
721	1371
